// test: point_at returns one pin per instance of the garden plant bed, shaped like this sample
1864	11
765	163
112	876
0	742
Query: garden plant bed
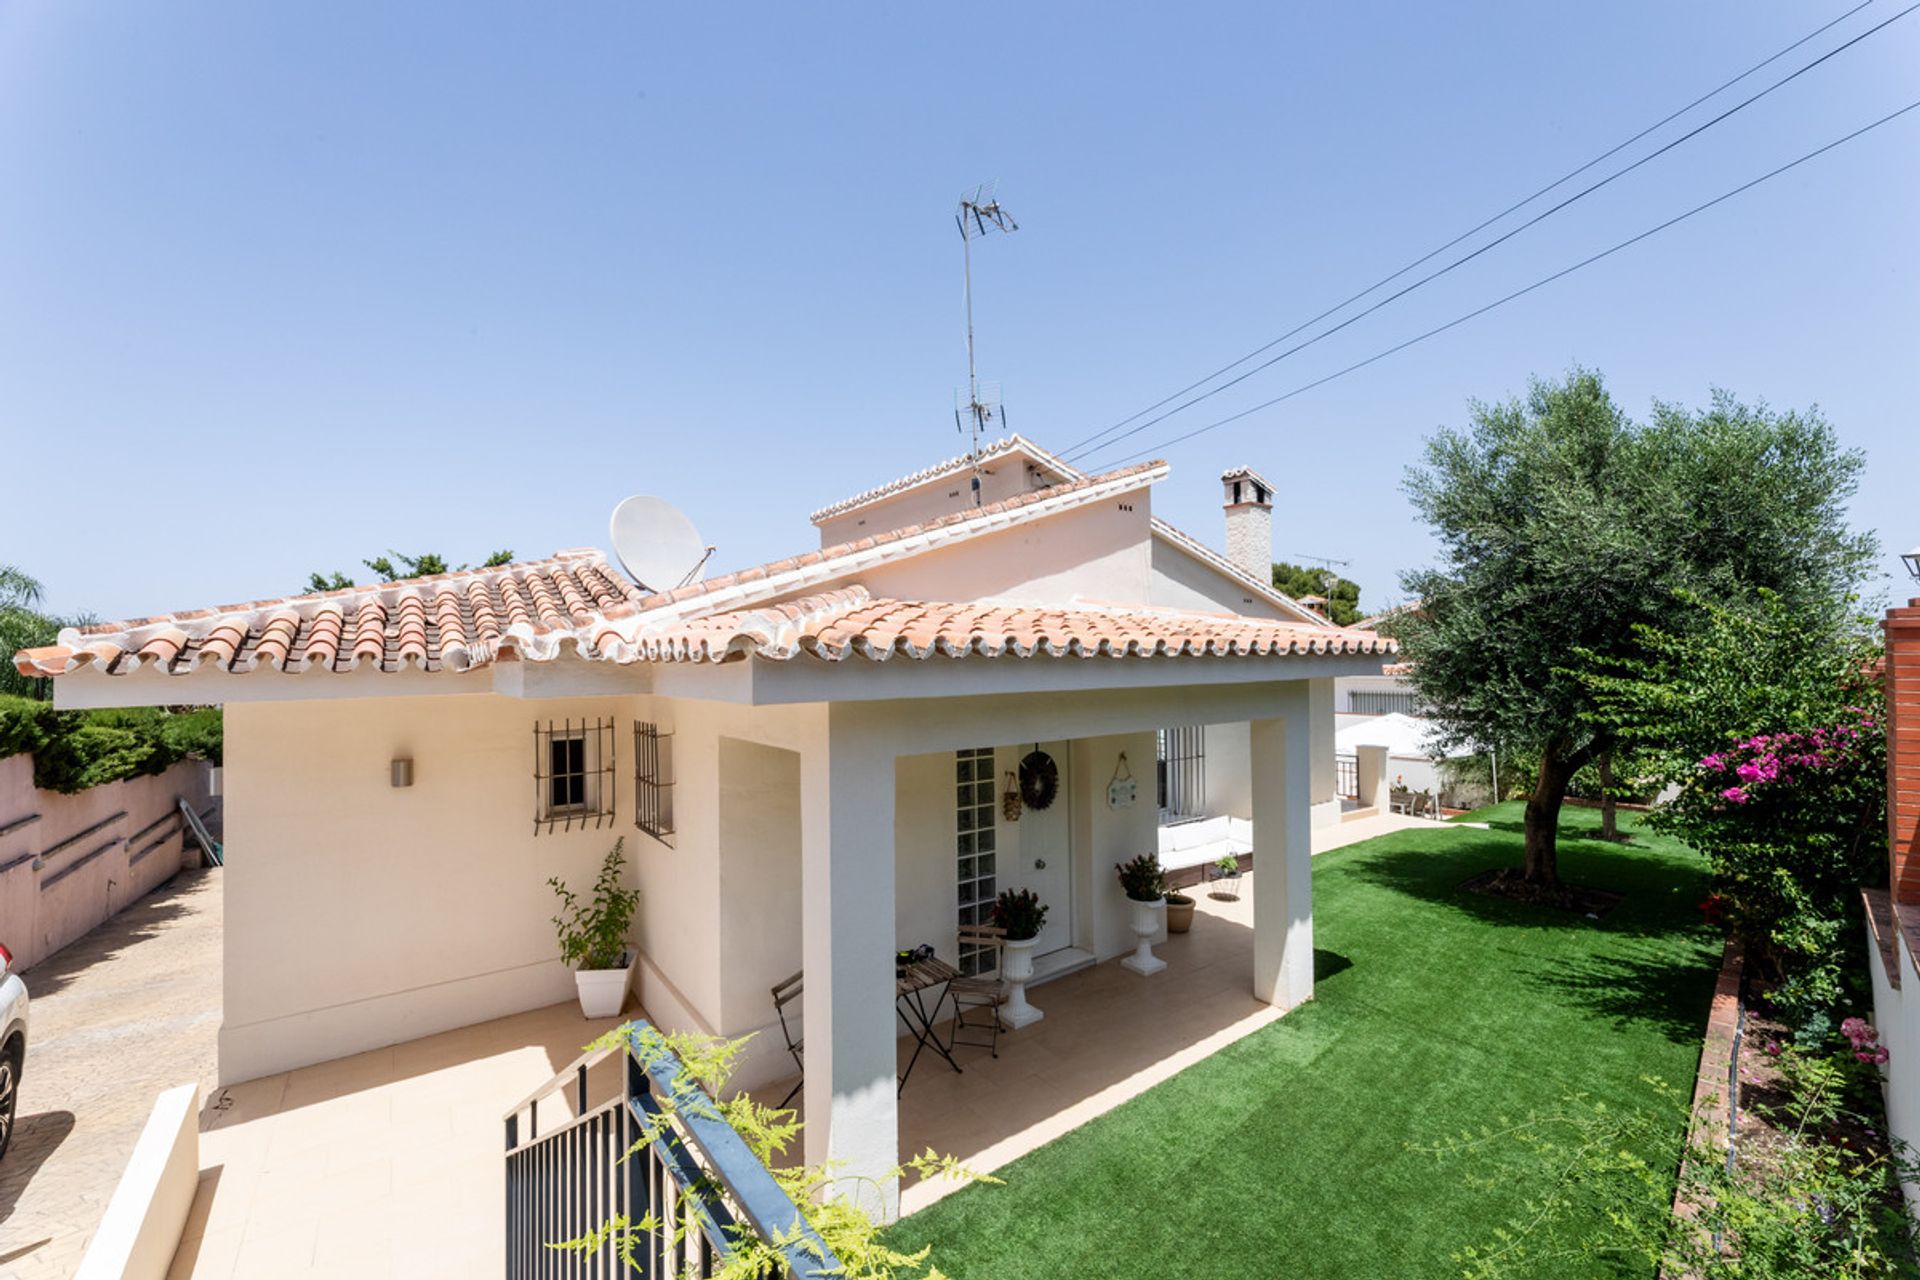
1506	882
1763	1125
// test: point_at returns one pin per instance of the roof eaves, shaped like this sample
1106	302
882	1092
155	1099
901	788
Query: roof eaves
1214	560
783	577
1012	444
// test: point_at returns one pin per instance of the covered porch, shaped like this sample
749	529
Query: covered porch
901	838
1108	1036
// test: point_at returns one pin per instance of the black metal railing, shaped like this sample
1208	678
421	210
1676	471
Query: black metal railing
691	1194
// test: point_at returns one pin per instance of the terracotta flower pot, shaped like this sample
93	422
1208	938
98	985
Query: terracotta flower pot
1179	913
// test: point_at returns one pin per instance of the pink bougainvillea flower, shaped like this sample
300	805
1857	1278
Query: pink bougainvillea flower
1737	795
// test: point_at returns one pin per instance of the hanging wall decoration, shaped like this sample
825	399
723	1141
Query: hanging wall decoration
1039	779
1010	799
1122	790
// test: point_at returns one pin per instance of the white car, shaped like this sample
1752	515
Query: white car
13	1043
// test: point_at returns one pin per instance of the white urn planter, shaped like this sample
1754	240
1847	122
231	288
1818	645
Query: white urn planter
1016	962
1147	917
603	992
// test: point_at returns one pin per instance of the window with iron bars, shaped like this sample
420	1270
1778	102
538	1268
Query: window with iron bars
1377	703
653	781
1180	771
572	774
974	810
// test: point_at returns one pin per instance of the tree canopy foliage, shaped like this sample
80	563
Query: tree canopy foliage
1765	722
1563	526
24	626
1343	598
395	567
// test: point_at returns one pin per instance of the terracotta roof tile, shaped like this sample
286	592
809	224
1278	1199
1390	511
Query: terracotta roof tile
836	625
575	602
449	621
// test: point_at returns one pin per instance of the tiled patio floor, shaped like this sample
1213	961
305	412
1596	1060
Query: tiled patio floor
1108	1035
389	1162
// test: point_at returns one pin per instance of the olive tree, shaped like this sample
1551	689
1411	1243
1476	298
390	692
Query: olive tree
1562	525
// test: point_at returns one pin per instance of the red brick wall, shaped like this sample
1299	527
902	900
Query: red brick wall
1903	749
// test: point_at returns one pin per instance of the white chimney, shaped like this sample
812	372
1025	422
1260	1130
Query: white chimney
1249	503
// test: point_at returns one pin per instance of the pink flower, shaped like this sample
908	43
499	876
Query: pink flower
1859	1033
1877	1056
1772	1048
1737	795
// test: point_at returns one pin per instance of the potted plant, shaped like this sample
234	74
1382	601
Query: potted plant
1146	890
1225	871
593	936
1021	913
1179	912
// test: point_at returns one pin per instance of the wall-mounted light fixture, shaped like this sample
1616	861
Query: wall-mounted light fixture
403	772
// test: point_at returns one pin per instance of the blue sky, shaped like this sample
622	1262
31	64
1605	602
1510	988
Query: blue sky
282	286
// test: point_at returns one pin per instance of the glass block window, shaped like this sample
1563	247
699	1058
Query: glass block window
974	808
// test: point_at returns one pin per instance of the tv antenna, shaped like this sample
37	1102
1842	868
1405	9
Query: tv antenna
1327	575
979	213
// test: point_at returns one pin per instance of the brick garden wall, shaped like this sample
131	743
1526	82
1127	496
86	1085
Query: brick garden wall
1903	749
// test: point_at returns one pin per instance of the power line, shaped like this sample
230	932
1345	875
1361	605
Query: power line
1085	447
1520	293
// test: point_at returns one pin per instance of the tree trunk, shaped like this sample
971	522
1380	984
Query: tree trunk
1543	819
1609	818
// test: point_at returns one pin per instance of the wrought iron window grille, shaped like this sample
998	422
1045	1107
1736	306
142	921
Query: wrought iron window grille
653	781
1180	772
573	772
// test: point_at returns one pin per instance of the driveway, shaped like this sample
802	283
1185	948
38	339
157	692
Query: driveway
119	1015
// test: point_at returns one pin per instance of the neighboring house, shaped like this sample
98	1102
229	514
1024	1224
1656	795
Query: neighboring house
1415	761
1893	913
807	759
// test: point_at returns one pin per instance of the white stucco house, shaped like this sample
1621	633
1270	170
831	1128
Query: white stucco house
806	758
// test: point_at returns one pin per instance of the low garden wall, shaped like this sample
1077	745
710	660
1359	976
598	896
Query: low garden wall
67	862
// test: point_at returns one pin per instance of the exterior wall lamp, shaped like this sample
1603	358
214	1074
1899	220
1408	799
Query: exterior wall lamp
403	772
1912	560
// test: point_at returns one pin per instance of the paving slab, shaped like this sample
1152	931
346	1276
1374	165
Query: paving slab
129	1010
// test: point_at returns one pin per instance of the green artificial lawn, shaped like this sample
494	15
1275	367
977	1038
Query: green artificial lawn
1290	1152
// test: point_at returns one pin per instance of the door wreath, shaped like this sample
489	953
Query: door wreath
1039	779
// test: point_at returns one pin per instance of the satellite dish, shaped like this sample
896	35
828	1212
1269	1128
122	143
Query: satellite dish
656	543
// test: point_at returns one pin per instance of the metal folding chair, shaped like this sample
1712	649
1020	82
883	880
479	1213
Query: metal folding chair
785	994
979	994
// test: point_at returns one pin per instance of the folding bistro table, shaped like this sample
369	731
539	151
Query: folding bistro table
911	984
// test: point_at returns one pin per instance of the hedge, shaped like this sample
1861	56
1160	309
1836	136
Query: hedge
75	750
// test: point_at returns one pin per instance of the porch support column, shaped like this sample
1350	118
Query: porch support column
1325	796
847	912
1370	776
1282	857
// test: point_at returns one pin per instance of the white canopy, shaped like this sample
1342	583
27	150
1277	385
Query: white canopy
1401	735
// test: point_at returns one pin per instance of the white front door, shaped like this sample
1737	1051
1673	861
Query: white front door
1044	861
